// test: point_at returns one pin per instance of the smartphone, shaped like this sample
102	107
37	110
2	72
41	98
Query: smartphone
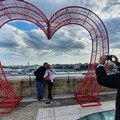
108	57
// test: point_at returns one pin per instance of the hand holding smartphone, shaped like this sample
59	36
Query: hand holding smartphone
109	57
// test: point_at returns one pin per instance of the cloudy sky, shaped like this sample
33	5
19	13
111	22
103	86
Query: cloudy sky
22	42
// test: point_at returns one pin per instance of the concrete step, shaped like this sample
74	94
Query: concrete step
55	97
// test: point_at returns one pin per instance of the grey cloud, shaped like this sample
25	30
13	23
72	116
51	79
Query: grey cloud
68	44
112	24
35	41
115	46
8	44
50	7
60	42
113	27
111	4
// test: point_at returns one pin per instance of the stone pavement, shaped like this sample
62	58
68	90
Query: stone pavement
61	108
72	112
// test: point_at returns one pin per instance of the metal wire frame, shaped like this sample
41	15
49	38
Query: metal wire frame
8	98
89	90
20	10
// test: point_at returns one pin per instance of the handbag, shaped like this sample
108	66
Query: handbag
47	77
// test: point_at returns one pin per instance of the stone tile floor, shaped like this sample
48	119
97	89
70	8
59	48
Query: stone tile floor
61	108
72	112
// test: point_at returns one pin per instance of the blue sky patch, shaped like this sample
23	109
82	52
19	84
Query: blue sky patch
23	25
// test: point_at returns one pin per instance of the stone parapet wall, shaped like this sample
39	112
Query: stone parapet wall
27	87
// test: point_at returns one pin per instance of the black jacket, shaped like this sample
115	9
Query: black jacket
39	73
111	81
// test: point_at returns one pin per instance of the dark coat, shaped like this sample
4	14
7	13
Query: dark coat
111	81
39	73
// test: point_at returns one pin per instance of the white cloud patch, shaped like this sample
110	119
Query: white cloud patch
34	44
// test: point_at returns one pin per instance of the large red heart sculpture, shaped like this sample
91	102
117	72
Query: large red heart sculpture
21	10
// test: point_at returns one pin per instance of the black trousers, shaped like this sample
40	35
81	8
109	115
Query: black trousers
50	84
117	113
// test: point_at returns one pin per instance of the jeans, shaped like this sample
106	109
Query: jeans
39	85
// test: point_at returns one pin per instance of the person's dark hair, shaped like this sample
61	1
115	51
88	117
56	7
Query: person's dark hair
45	63
48	66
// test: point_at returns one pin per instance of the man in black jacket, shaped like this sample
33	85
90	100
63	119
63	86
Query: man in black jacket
111	81
39	73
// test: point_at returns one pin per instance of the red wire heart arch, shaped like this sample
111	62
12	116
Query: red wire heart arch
21	10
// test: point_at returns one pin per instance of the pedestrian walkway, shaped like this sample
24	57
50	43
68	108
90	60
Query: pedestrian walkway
72	112
63	107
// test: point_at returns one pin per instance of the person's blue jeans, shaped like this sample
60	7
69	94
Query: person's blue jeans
39	85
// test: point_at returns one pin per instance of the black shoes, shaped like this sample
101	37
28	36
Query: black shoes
40	98
50	97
